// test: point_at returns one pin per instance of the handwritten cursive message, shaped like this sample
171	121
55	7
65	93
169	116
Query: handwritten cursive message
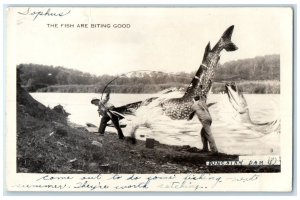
133	182
48	13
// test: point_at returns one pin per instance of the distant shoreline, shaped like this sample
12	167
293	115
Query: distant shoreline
259	75
247	87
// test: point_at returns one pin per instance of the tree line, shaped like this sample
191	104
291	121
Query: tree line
258	68
45	78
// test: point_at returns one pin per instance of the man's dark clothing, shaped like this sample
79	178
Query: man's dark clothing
115	120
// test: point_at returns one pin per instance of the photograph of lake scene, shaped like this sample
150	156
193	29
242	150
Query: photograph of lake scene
100	91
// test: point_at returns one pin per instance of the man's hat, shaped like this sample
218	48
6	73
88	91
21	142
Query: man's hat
95	99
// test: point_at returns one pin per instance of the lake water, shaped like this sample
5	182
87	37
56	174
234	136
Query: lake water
230	134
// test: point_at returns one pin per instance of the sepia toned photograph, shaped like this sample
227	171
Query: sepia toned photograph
149	98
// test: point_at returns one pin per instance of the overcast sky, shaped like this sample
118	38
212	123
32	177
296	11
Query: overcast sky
166	39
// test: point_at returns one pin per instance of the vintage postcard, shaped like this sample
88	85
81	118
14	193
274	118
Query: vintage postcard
190	99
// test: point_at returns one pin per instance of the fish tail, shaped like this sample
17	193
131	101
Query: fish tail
228	45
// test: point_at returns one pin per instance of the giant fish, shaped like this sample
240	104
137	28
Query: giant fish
180	108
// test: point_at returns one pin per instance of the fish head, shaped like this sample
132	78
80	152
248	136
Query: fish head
236	98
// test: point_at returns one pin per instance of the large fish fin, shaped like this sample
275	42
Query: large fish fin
226	37
225	41
228	33
230	47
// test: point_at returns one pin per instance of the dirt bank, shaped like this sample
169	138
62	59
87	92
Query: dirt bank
45	147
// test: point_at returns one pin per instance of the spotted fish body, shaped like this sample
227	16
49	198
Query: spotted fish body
180	108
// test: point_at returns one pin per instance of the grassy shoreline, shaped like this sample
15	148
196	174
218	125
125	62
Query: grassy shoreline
249	87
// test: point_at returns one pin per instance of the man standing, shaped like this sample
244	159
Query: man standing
106	110
200	108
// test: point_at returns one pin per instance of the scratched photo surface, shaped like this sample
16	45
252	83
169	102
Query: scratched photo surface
158	99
